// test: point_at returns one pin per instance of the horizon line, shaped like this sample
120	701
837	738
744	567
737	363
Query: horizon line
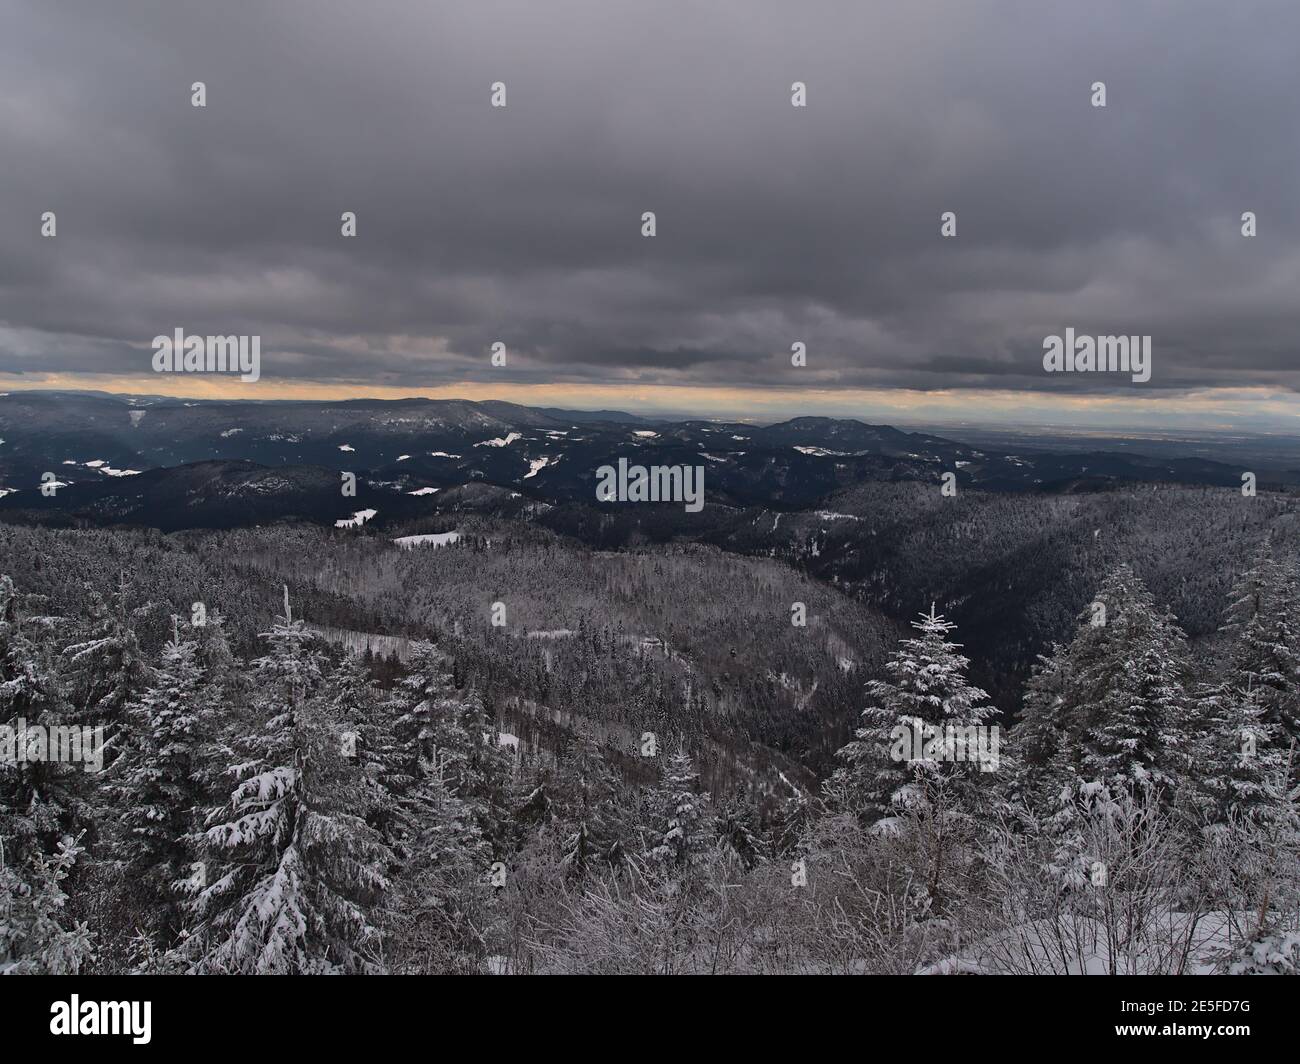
1251	409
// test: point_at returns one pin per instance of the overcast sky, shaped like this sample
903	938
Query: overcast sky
776	224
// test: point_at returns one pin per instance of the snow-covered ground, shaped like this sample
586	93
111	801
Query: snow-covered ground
504	739
436	539
358	518
1081	946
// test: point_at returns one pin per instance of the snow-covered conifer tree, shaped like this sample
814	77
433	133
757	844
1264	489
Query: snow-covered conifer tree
1127	697
295	873
586	799
926	687
160	776
109	669
1263	621
681	833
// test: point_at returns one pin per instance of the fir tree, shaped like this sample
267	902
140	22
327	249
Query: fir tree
446	734
1035	766
215	655
681	833
1263	621
926	688
586	799
109	668
793	814
161	788
1126	704
441	773
1240	764
740	833
295	873
1112	707
41	801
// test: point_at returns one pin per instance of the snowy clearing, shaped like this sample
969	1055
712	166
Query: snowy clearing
358	518
435	539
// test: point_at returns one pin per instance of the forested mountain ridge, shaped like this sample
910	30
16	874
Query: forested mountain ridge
667	656
98	446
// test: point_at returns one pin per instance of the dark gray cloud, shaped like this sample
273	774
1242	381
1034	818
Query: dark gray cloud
775	224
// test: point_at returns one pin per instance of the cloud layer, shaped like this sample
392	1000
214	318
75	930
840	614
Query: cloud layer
775	224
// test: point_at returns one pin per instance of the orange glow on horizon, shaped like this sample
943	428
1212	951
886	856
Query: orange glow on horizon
1219	405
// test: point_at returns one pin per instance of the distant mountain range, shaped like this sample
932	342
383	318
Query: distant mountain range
174	463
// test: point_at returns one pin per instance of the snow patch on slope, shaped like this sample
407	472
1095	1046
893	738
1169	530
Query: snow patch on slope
436	539
359	518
